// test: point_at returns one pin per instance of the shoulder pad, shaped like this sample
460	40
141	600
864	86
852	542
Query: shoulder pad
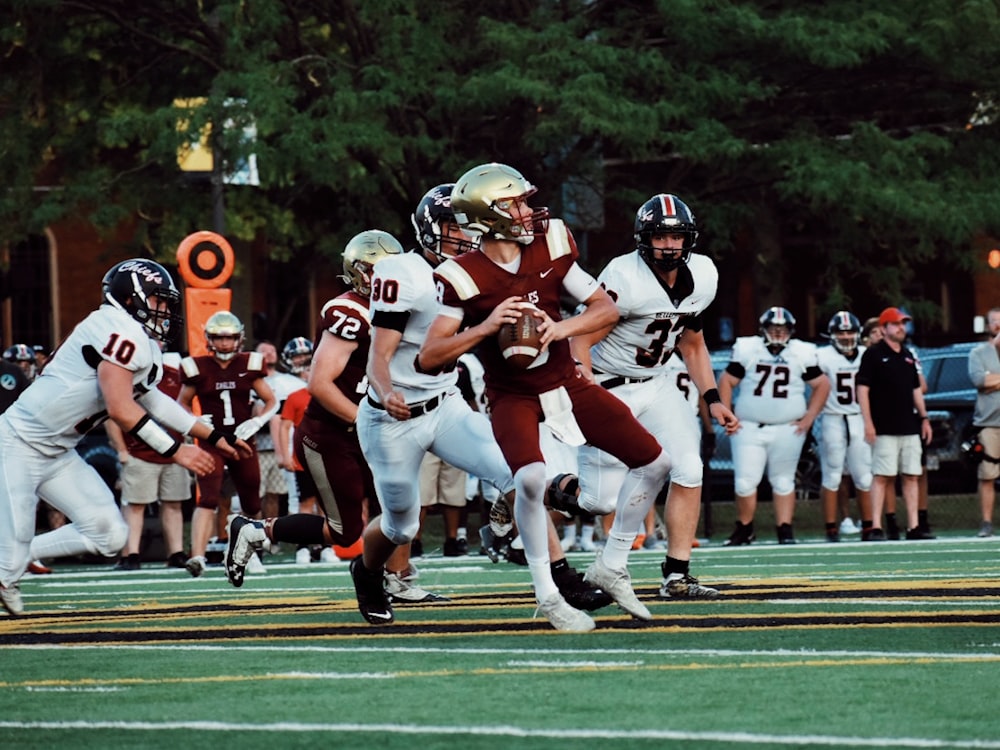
189	367
255	361
460	279
557	239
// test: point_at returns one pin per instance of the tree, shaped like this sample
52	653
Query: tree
824	146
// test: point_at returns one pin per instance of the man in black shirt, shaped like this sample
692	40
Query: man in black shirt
892	405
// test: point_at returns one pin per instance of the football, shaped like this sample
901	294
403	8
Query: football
520	342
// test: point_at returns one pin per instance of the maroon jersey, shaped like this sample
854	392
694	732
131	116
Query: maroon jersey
224	393
347	318
170	384
477	285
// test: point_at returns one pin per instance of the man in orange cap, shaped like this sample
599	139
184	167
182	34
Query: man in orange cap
895	416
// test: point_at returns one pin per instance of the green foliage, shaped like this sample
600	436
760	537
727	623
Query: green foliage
841	125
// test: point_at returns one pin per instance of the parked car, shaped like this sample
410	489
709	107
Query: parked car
950	399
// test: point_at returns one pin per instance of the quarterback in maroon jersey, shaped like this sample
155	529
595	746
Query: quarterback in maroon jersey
526	263
224	383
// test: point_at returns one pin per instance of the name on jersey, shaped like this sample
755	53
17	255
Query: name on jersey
225	385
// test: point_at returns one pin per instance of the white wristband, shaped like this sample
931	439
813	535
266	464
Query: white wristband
155	436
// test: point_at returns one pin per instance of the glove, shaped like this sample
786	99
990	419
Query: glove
248	429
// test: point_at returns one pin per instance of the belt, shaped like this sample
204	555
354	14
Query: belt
416	410
620	380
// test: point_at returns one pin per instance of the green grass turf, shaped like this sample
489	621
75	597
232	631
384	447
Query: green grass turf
848	645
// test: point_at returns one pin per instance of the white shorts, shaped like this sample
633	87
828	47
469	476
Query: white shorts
897	454
144	482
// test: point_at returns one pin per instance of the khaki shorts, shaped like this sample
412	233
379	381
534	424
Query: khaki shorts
897	454
143	483
441	483
990	439
272	476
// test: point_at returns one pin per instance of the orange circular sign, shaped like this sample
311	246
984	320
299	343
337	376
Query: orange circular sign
205	260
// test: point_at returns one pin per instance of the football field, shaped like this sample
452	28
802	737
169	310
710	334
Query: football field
816	645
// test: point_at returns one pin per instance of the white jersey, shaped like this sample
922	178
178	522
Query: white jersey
649	323
843	373
772	390
678	378
404	284
65	402
283	385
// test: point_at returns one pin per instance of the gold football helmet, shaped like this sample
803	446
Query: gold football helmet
362	253
482	198
224	324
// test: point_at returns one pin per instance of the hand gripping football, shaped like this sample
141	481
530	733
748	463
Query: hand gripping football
520	342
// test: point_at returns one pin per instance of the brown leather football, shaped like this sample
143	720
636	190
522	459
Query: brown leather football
520	342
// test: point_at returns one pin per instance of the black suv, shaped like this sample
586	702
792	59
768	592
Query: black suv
950	399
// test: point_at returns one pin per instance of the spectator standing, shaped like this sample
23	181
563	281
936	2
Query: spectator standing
147	478
984	371
895	417
273	480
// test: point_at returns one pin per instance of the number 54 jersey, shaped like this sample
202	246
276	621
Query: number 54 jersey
773	386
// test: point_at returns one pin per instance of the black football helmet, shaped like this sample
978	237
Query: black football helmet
129	285
429	220
844	330
23	356
776	316
294	350
665	214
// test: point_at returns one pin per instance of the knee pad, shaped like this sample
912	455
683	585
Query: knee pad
743	486
399	529
114	536
687	470
783	485
529	482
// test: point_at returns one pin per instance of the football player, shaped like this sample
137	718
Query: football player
23	356
225	381
107	368
661	291
775	417
842	429
525	265
326	440
409	412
